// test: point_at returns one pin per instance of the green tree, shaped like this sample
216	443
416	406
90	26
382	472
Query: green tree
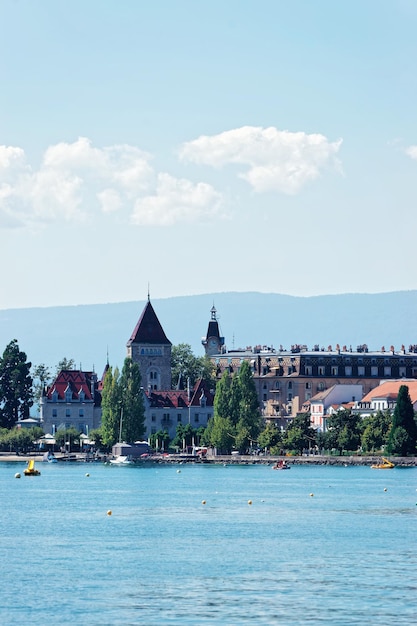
186	366
131	394
269	437
159	441
67	438
249	423
221	434
403	434
299	435
64	364
375	431
111	408
344	431
16	395
41	377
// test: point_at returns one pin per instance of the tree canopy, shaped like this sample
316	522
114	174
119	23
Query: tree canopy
403	434
16	396
186	366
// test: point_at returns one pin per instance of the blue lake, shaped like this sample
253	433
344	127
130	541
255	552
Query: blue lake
317	545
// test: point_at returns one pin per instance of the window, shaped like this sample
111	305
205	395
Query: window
402	372
387	370
290	385
335	370
309	370
374	370
264	397
68	413
81	413
54	413
153	417
196	418
321	370
348	370
179	417
308	385
361	370
68	395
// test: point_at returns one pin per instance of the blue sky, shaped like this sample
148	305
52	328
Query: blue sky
195	146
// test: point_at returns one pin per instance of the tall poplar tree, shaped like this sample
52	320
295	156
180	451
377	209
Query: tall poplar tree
249	422
111	407
16	395
402	438
133	407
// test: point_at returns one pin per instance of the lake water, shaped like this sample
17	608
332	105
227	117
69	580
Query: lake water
318	545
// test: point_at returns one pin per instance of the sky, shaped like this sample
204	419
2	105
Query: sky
183	147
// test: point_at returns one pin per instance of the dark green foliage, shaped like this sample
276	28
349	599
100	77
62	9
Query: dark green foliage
344	431
403	434
375	431
299	435
16	396
159	441
185	366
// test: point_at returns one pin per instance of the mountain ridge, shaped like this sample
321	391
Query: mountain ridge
89	333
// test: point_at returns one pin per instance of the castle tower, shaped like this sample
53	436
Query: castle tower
150	348
213	343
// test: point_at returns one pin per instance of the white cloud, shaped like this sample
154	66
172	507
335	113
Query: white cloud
76	179
275	160
411	151
177	200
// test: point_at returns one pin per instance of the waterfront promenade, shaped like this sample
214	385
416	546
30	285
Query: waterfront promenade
235	459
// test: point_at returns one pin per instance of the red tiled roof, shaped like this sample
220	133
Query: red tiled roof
179	398
75	380
389	390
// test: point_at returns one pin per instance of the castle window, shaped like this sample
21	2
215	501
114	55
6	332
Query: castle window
309	370
81	413
196	418
361	370
321	370
374	370
402	372
54	413
179	417
387	370
348	370
335	370
68	413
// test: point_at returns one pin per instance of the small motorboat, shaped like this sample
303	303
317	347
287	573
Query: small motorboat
281	465
121	460
31	470
384	464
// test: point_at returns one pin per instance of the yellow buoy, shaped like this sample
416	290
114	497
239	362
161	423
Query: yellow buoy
249	501
109	512
17	475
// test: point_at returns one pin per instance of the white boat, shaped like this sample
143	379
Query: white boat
121	460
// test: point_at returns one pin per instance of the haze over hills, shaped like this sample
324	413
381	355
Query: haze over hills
87	333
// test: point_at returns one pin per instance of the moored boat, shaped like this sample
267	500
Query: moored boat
121	460
281	465
384	464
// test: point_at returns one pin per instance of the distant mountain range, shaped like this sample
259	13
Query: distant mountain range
87	333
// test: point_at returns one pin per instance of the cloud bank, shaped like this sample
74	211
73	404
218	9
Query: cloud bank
78	181
274	160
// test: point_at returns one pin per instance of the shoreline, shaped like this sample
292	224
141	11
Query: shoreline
352	460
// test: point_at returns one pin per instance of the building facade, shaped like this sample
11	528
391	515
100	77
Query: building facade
287	379
72	400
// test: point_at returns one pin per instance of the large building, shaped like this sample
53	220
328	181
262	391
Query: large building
72	400
288	379
165	408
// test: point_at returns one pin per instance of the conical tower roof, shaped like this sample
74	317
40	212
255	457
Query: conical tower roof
148	329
